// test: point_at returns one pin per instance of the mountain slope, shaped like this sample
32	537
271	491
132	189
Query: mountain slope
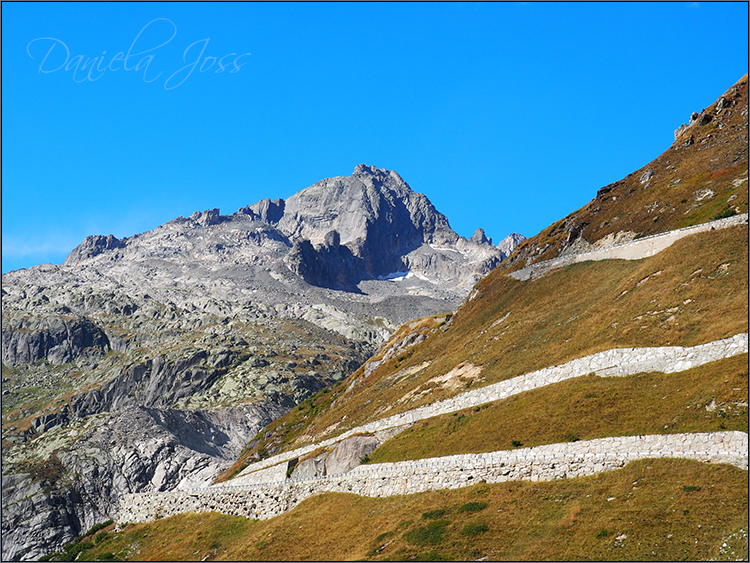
146	363
703	175
693	292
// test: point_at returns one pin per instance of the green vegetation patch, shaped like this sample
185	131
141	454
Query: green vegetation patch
473	507
473	530
431	534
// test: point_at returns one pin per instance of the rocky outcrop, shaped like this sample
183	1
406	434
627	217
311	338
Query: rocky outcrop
265	210
207	218
34	519
479	237
135	449
93	246
509	244
346	455
153	383
328	264
54	339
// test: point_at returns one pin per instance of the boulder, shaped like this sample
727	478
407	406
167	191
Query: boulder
349	453
345	456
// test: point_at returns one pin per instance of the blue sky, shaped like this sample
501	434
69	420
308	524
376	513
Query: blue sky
507	116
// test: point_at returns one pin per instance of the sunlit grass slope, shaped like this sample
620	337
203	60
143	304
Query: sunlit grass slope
694	292
709	398
649	510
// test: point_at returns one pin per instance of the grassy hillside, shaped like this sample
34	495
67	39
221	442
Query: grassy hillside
649	510
693	292
702	176
709	398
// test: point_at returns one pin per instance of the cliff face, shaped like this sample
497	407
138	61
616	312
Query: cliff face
146	363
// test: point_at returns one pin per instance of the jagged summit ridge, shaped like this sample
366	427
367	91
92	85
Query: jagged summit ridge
370	202
131	339
334	234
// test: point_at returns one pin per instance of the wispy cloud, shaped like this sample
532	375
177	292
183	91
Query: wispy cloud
13	247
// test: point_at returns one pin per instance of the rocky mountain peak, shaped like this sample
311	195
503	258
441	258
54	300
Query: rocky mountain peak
265	210
367	234
479	237
92	246
509	244
372	202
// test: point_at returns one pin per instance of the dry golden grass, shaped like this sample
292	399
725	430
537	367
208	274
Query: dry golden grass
650	510
672	198
693	292
586	408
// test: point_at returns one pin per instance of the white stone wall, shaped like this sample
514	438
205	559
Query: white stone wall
617	362
260	491
542	463
631	250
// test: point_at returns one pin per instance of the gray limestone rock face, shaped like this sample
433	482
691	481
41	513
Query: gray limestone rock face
479	237
93	246
34	519
124	356
509	244
207	218
377	217
54	339
348	454
371	203
345	456
265	210
311	467
135	449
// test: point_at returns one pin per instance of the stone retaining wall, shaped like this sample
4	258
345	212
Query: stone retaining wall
631	250
617	362
261	490
542	463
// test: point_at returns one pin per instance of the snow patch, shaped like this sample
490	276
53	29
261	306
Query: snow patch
436	247
401	276
395	276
